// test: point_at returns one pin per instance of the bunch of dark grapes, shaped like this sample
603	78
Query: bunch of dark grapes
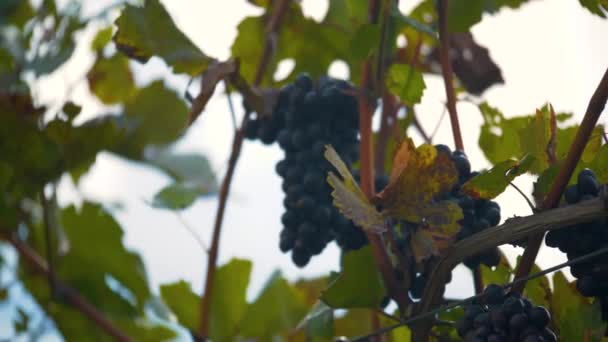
479	214
585	238
308	116
505	317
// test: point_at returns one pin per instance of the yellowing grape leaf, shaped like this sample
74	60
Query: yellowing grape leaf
418	176
349	198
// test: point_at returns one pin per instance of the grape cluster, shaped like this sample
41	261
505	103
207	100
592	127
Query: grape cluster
479	214
499	316
267	128
584	238
308	116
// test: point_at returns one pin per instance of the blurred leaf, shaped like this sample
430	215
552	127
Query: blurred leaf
183	303
228	304
319	323
110	79
405	82
60	49
418	176
463	14
359	284
96	250
277	309
22	321
177	196
102	38
574	316
349	198
501	274
332	42
491	183
71	110
80	144
311	288
192	174
184	167
149	31
33	166
364	41
158	116
597	7
15	12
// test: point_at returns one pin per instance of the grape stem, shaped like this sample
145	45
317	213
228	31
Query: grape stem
272	30
68	293
594	109
530	204
516	282
446	71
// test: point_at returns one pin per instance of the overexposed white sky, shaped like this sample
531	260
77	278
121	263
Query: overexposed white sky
548	50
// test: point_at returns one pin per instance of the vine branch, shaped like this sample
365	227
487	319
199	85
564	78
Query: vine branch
446	71
67	292
457	303
272	30
367	170
512	230
594	109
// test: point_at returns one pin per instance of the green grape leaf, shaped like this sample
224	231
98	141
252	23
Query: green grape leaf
597	7
156	115
332	39
15	12
538	290
80	144
599	164
359	284
418	176
96	250
149	31
364	41
73	325
278	308
61	47
183	302
111	80
539	135
405	82
71	110
501	274
349	198
228	303
177	196
184	167
575	317
499	137
102	38
491	183
462	14
319	322
35	165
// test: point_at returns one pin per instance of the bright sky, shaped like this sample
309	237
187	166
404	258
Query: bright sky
548	51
